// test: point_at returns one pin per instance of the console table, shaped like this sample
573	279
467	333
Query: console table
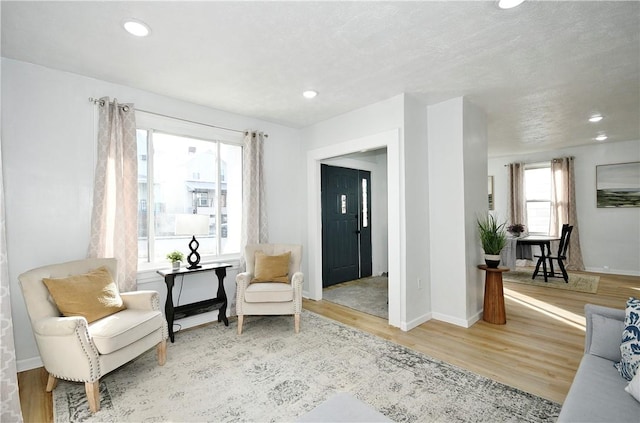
217	303
494	311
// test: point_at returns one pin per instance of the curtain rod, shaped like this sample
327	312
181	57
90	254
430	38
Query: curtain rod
126	109
543	161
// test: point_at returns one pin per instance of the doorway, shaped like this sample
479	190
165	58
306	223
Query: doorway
346	224
389	140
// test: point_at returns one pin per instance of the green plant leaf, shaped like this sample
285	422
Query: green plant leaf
492	234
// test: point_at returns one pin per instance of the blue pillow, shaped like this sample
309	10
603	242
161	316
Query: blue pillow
630	346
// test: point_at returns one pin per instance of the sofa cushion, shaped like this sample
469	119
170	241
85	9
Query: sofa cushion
113	332
597	395
268	292
92	295
605	338
630	346
271	268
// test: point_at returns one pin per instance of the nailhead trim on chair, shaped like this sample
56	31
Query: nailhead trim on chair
155	302
241	286
155	305
94	368
297	307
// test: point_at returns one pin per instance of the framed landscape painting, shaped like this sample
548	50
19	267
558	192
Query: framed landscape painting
618	185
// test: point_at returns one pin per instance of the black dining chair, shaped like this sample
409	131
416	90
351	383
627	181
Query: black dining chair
560	257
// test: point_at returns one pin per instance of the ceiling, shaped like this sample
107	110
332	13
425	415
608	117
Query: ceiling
539	71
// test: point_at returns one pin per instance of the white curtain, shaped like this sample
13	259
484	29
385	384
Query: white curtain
563	209
518	208
10	400
114	221
517	197
254	210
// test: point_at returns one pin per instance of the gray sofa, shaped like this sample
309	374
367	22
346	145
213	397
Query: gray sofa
597	393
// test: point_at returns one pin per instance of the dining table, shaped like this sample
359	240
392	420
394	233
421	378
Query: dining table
544	243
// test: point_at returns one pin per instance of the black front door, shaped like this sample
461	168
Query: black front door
346	224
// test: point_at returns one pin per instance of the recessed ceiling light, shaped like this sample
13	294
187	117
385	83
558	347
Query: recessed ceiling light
136	27
509	4
309	93
601	137
596	118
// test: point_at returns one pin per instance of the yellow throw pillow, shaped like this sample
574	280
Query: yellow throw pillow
271	268
92	295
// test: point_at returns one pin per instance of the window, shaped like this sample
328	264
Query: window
203	199
181	174
365	210
537	180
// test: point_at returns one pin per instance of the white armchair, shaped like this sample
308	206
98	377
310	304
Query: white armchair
75	350
270	298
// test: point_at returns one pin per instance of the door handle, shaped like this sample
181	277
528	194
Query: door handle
357	232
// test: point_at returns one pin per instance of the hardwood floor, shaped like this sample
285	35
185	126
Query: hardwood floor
538	350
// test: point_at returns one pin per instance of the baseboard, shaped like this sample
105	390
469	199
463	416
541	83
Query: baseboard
29	364
407	326
475	318
612	271
465	323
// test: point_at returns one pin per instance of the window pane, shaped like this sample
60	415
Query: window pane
143	236
230	198
185	182
538	184
365	210
538	215
538	194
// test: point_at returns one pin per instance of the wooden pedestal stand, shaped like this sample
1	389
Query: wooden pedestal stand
494	311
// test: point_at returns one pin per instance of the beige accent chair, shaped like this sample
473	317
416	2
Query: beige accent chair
270	298
74	350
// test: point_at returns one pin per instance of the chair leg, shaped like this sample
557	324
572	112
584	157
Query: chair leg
551	269
296	322
565	276
535	272
240	319
161	348
51	383
93	395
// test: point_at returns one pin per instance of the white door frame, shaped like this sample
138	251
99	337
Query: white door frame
397	284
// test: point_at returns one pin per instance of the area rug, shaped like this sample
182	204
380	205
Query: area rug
577	281
368	295
271	374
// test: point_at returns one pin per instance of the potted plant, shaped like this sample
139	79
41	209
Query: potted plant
493	238
175	257
516	229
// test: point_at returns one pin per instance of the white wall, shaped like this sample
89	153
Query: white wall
48	139
379	215
457	169
441	168
447	242
475	203
608	237
417	228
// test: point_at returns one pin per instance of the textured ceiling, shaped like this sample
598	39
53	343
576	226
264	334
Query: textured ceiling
538	70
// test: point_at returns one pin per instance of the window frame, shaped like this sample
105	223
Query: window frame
153	123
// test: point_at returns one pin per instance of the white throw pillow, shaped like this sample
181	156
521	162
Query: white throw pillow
634	387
